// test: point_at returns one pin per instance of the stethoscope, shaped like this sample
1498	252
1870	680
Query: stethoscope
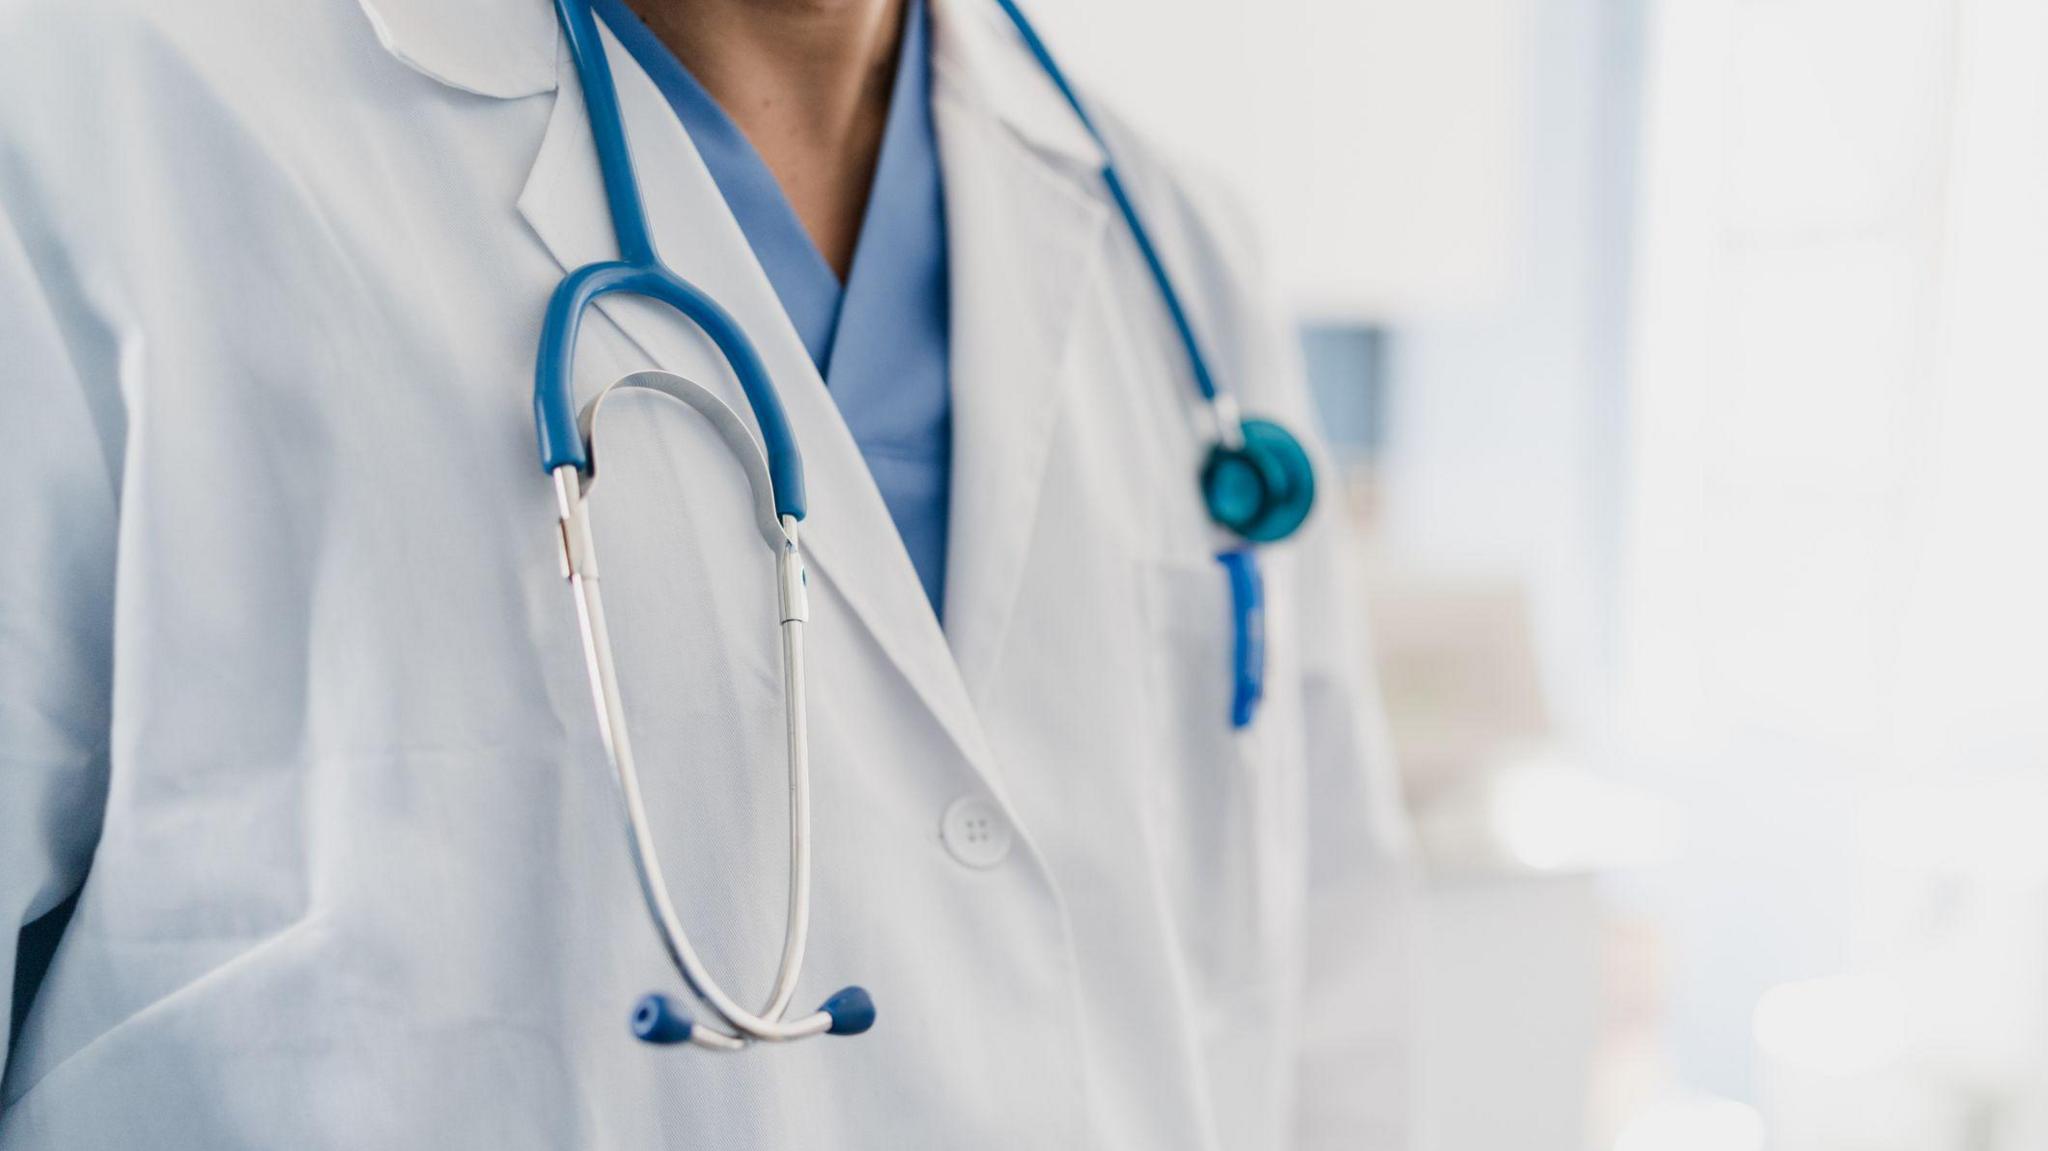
1256	482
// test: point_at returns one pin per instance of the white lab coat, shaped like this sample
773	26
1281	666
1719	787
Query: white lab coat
291	683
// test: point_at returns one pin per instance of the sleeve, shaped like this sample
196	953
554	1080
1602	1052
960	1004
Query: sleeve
61	444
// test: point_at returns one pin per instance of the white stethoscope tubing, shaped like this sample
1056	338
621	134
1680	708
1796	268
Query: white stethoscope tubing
579	551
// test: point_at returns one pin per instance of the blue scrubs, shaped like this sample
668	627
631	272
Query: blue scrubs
880	340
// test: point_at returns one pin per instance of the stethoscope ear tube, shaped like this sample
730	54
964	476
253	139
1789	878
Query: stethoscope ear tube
639	271
655	1018
1272	458
556	420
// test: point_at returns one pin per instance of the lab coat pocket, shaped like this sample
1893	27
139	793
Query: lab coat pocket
1213	787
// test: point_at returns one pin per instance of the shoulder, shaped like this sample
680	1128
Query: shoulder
1216	250
113	108
57	53
34	26
1188	197
994	66
89	40
85	65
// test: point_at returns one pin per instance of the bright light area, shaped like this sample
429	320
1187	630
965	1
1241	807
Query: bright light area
1693	1123
1994	830
1842	1025
1553	817
1833	617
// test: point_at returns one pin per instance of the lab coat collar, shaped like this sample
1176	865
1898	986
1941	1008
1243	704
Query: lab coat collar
977	54
1024	225
503	48
510	48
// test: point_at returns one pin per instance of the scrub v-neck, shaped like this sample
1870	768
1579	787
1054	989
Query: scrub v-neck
881	340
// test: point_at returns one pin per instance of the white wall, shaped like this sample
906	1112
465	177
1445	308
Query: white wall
1835	619
1506	420
1378	140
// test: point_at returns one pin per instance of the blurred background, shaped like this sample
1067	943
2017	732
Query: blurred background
1685	358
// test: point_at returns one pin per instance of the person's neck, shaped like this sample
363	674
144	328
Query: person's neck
808	81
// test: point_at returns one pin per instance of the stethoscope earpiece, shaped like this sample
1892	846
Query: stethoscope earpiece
659	1021
1262	487
852	1011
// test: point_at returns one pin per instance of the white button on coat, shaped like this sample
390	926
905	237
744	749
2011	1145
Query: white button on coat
976	832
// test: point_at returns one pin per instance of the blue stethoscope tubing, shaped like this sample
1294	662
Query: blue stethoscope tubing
1256	482
639	271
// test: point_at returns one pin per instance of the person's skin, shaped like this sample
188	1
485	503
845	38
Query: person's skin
808	81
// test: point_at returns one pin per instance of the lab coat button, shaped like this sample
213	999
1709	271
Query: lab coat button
976	832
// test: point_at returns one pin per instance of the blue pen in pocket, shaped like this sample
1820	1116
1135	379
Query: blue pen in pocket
1248	634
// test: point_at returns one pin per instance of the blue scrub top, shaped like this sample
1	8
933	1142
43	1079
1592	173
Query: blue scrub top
880	340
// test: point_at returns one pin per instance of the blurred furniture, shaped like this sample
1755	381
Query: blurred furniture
1515	834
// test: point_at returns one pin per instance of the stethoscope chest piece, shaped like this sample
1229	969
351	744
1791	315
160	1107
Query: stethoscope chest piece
1262	487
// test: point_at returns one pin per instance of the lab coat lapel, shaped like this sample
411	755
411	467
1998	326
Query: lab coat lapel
1025	235
848	534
